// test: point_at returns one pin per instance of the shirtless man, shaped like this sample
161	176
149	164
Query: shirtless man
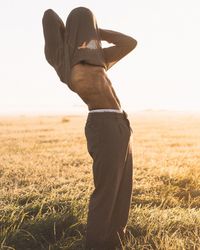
108	135
101	95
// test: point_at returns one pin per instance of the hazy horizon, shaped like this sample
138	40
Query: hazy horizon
79	113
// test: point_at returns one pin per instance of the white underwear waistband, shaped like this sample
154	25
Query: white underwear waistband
106	110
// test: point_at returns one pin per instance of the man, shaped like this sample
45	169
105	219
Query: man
76	54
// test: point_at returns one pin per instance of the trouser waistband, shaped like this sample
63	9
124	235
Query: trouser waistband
106	110
109	114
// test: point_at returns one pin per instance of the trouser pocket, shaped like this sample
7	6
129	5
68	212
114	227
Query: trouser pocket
93	135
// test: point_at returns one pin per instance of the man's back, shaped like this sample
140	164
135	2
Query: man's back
93	86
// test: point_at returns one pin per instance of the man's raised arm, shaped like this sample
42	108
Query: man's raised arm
123	45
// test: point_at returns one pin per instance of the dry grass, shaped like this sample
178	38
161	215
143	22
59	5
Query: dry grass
46	180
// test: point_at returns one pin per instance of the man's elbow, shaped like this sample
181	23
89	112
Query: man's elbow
132	44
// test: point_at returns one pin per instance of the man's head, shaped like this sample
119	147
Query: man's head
81	14
81	26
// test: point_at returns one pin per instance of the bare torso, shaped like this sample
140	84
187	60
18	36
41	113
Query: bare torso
93	86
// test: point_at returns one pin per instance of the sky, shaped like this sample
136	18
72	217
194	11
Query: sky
161	73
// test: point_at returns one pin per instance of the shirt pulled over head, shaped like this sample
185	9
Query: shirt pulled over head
78	41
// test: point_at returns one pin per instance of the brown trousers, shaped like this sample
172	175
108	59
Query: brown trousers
109	143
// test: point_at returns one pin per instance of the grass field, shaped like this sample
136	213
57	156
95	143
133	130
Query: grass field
46	180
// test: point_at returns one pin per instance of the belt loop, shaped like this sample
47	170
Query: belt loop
126	116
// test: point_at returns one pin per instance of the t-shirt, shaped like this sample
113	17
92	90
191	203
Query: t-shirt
80	41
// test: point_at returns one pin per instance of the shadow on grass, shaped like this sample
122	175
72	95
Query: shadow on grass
62	230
